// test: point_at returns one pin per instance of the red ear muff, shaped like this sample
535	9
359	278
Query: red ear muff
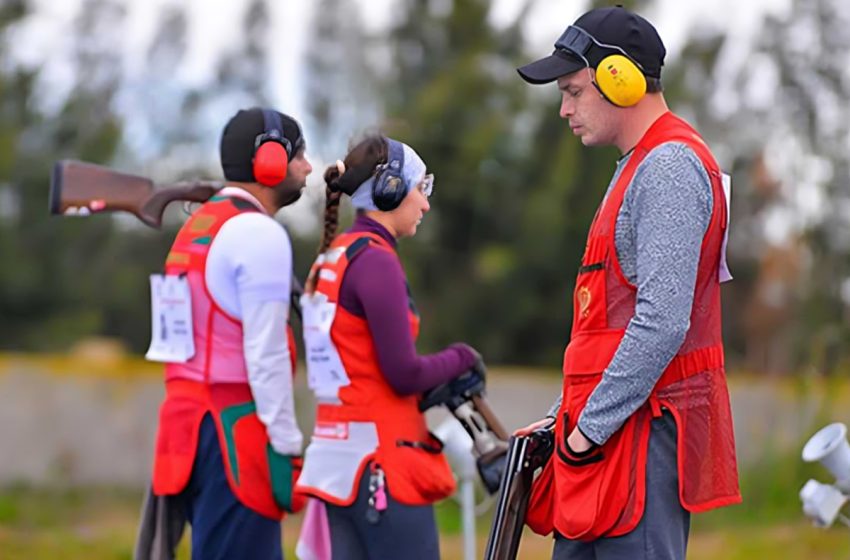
271	151
270	163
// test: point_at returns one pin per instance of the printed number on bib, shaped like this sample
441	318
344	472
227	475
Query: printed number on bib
172	339
325	372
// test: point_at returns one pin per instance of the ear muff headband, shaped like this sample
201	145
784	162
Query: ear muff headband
388	188
619	78
272	151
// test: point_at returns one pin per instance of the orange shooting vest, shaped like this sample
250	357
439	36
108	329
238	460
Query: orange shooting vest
215	381
366	420
603	493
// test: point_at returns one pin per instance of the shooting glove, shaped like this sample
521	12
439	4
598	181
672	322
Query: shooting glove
285	470
478	364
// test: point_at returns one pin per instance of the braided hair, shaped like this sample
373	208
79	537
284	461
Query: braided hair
358	166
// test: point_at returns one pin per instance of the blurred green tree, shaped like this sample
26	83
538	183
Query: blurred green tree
53	285
494	264
779	122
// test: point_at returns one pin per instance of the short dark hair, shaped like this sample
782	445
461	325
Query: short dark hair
237	145
654	85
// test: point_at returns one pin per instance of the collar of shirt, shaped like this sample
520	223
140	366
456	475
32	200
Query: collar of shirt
365	224
244	195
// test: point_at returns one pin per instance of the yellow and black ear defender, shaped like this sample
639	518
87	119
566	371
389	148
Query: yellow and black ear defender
620	80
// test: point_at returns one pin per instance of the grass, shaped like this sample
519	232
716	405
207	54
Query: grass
100	523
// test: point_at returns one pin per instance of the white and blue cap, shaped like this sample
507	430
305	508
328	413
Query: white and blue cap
403	166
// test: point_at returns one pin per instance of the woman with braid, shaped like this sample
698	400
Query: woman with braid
372	463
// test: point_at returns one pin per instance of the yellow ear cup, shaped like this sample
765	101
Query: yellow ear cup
620	80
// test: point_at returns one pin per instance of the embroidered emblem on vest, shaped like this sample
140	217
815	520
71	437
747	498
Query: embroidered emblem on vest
177	258
202	224
584	299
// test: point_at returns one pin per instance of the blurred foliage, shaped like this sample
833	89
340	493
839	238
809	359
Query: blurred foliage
61	279
495	260
779	121
66	279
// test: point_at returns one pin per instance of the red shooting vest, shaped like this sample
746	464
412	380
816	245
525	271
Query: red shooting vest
260	478
416	470
603	493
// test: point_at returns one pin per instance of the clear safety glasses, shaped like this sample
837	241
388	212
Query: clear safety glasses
427	185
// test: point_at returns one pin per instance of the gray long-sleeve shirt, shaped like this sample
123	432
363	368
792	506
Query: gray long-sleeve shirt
659	233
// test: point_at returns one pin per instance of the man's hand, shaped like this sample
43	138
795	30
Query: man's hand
577	442
540	424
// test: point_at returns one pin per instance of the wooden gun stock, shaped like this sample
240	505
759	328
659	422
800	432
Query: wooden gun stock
79	188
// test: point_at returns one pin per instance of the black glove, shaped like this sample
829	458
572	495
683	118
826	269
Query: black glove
455	392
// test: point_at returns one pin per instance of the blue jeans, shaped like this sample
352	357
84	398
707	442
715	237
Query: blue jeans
223	528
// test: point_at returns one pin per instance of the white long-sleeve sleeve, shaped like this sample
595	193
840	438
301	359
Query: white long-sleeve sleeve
248	274
270	372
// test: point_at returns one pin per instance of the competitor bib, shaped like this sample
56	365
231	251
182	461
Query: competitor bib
172	338
325	372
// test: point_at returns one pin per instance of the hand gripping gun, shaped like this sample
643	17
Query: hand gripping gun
464	397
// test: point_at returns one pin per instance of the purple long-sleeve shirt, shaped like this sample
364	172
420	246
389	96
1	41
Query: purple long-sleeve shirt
375	288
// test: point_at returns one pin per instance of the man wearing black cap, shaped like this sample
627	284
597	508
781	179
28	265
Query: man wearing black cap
643	428
228	443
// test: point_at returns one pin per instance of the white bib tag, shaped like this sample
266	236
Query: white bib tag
172	338
725	275
325	372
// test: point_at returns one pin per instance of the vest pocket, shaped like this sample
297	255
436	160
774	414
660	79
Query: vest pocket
577	458
248	467
579	484
417	471
433	445
600	492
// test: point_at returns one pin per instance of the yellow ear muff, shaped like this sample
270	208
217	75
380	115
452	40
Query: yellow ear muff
620	80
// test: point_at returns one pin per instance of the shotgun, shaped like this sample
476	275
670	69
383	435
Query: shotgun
525	455
79	188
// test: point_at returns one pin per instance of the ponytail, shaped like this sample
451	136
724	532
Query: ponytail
332	196
345	177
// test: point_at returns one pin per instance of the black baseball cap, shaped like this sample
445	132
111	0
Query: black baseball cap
595	35
240	135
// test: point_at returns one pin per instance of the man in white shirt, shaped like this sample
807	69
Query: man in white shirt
228	442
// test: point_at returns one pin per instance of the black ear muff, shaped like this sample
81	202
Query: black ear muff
272	151
388	189
620	80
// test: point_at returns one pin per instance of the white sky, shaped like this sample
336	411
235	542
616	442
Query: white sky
212	22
